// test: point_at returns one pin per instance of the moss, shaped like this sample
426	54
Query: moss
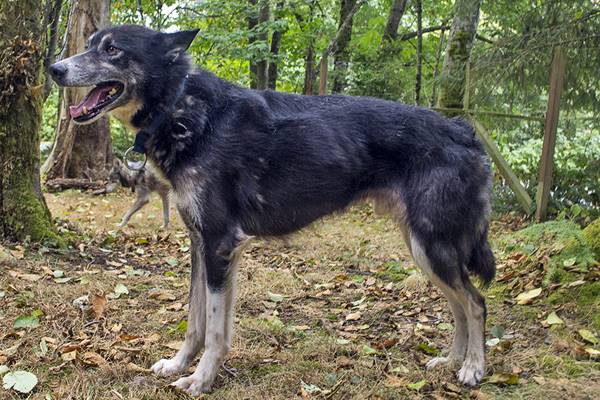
563	242
591	235
587	298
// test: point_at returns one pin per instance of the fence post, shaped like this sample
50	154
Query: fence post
557	78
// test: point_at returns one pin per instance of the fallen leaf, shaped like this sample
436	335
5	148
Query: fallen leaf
527	297
3	369
136	368
70	356
176	345
275	298
394	382
353	316
497	331
445	326
553	319
368	350
502	378
427	349
592	352
21	381
119	290
308	389
588	336
30	277
26	321
93	359
98	304
417	385
162	295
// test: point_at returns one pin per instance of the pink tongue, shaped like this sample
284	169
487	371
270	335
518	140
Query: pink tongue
90	101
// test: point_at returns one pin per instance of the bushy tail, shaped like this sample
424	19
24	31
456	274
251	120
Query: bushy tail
482	262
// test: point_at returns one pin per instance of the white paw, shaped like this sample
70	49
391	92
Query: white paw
194	385
164	226
122	224
434	362
471	373
168	367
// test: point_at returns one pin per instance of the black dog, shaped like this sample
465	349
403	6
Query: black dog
246	163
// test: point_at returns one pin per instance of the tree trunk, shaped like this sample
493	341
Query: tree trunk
419	9
53	21
341	53
80	151
23	211
275	42
262	66
252	23
391	28
458	53
309	69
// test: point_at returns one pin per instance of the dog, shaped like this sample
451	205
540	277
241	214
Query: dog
142	182
244	163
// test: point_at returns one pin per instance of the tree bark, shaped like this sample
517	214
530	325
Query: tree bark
309	69
252	23
275	42
262	66
391	28
23	211
341	54
343	34
82	152
419	9
458	53
53	21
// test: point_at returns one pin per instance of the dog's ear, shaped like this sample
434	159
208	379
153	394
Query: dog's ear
180	41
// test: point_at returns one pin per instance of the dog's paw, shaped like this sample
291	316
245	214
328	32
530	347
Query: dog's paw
436	361
168	367
471	373
194	385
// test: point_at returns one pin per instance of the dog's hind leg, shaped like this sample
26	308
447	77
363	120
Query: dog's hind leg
468	309
221	262
143	197
196	329
165	203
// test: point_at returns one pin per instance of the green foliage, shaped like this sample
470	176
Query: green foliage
561	241
591	235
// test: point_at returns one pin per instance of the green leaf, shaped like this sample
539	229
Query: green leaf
497	331
588	336
310	389
569	262
3	369
368	350
173	262
554	319
427	349
445	326
417	385
2	294
119	290
342	342
21	381
26	321
58	273
181	327
275	298
503	379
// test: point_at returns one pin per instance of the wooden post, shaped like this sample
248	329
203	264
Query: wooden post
323	76
503	167
557	78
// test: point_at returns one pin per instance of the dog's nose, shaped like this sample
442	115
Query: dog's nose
57	70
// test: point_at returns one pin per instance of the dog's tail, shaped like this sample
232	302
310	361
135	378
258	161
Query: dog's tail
482	262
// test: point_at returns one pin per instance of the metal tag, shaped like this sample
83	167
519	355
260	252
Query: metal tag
133	160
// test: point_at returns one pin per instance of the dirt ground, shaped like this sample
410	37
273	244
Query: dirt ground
334	312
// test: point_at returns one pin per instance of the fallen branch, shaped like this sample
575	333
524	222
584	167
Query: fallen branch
61	184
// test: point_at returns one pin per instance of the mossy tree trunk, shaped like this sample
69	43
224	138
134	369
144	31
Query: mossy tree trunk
341	54
81	152
458	53
23	211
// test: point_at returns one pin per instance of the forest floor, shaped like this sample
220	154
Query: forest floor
335	312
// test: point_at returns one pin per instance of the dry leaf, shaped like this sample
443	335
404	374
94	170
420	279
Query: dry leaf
70	356
98	304
93	359
527	297
136	368
353	316
176	345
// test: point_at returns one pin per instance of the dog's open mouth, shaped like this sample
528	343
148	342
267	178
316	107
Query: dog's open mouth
96	100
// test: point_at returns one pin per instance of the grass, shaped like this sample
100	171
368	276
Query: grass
299	347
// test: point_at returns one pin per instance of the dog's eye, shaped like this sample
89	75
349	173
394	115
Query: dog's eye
112	50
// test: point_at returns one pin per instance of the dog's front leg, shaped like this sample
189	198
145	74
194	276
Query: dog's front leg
165	204
221	267
143	197
194	336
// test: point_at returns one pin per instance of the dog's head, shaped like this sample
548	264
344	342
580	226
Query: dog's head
125	66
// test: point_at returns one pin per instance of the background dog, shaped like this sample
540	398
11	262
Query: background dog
143	183
245	163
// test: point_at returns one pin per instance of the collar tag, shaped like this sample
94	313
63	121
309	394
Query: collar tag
134	160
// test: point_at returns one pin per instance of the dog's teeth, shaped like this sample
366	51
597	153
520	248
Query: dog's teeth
85	110
112	91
